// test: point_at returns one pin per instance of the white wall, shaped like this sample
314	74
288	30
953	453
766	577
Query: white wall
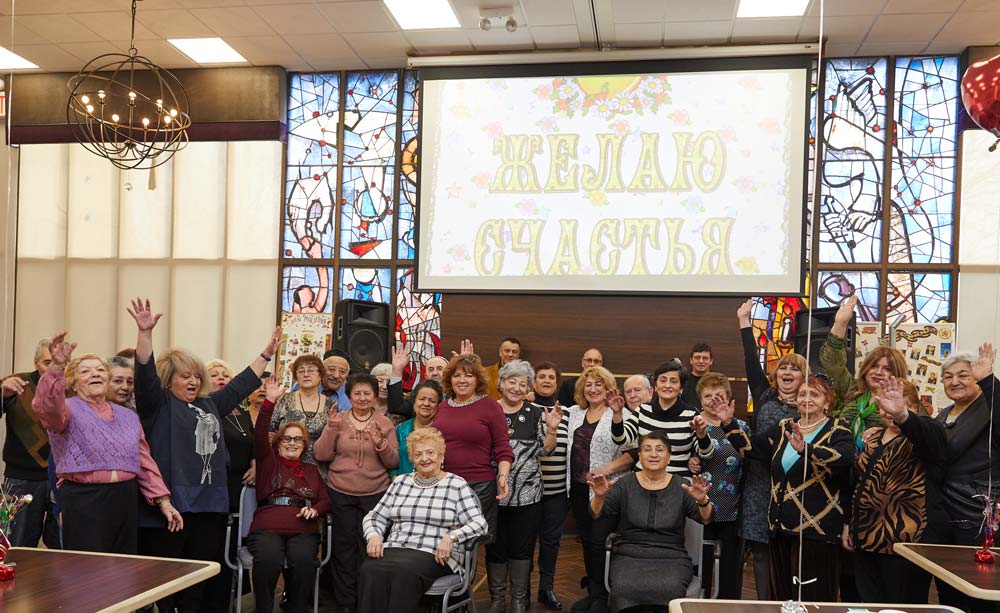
979	242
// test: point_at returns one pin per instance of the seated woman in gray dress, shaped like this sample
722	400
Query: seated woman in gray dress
651	567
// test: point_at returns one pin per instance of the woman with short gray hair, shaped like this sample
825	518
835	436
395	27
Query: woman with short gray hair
532	431
121	385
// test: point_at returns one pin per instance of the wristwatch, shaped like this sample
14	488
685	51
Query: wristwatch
707	502
453	535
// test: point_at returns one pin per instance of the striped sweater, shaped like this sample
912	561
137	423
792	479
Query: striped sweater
675	422
555	465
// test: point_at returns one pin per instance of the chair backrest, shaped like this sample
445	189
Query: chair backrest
694	537
248	505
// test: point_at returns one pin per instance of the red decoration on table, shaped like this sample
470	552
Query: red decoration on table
984	555
981	94
6	572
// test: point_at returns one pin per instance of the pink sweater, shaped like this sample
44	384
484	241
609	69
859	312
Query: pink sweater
50	405
358	467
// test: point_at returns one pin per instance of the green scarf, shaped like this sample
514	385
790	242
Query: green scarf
865	408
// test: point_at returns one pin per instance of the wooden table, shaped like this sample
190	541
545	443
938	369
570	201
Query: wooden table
957	566
692	605
50	580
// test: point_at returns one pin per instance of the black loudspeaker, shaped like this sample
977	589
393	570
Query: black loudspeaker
361	329
812	339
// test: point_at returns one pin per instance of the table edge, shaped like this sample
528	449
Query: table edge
943	573
677	604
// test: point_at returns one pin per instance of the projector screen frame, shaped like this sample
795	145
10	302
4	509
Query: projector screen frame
804	62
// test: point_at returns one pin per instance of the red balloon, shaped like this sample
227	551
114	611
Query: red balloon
981	94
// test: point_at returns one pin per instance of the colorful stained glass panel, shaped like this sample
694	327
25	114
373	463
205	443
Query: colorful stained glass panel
773	322
833	287
921	228
370	104
408	166
371	284
366	212
306	289
926	106
418	325
918	298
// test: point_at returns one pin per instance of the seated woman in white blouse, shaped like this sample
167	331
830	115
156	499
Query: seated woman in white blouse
428	512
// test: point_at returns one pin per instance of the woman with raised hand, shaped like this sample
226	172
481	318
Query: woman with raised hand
897	497
361	448
182	420
809	460
648	509
774	398
284	532
101	453
305	405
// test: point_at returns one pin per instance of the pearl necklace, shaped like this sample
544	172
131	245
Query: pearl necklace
425	483
455	403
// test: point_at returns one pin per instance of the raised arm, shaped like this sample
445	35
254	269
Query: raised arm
149	393
624	431
833	354
50	394
756	378
397	403
325	447
145	321
263	453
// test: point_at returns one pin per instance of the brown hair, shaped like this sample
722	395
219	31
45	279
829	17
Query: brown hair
913	399
71	369
292	424
795	360
823	385
308	359
597	372
467	362
897	366
173	360
714	379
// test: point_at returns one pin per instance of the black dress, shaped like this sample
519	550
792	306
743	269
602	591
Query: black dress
237	430
650	565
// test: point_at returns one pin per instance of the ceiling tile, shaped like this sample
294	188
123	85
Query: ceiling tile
775	30
233	21
359	17
88	51
113	24
499	39
550	13
697	32
393	61
161	53
318	48
174	23
377	44
346	61
848	29
23	35
61	7
945	48
555	37
638	34
906	28
265	50
50	58
894	48
638	11
702	10
430	42
294	19
920	6
61	29
847	7
194	4
970	29
842	50
978	5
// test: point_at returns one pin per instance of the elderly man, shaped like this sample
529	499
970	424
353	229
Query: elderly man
591	357
433	369
637	390
337	368
25	455
700	363
510	350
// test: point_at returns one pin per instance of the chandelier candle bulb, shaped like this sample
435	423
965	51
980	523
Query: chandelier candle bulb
85	99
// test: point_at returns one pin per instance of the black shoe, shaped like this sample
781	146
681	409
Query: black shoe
549	599
582	605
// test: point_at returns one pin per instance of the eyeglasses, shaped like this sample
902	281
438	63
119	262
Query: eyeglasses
292	439
307	370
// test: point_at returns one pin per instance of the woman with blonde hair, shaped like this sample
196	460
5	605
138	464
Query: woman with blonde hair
102	456
220	373
182	418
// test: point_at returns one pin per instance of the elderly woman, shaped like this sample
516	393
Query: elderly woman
361	448
290	497
382	373
102	456
669	413
220	374
592	452
856	393
648	509
725	471
475	432
121	384
774	399
970	384
427	395
431	515
809	461
305	405
532	432
182	421
897	497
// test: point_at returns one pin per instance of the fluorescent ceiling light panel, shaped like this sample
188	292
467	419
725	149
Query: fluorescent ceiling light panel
12	61
207	50
772	8
423	14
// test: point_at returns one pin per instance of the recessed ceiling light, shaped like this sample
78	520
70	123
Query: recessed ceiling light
423	14
772	8
12	61
207	50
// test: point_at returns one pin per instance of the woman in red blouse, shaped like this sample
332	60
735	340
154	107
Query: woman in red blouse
290	496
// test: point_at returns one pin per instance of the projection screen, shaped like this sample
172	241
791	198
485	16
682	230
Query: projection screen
688	180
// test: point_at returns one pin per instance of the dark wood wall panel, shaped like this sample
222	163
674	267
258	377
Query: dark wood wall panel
634	333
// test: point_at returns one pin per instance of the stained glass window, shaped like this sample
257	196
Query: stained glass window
418	324
918	298
773	323
408	166
306	289
370	284
833	287
854	123
311	177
